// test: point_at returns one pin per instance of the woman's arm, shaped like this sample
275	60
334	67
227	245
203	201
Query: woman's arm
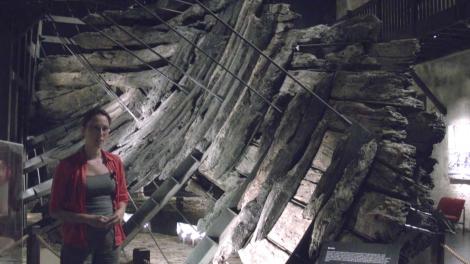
58	195
70	217
123	196
80	218
118	215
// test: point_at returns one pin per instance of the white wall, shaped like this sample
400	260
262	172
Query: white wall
449	80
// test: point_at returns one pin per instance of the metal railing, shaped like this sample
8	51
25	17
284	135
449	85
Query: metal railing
414	18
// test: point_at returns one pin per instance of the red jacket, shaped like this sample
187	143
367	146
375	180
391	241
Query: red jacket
69	193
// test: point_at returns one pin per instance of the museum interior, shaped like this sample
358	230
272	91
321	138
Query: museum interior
250	131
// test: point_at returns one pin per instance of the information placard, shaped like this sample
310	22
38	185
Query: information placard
11	206
360	253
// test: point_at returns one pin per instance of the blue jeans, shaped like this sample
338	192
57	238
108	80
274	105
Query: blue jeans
101	247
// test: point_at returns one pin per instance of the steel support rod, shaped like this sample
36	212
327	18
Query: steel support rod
273	62
47	245
92	71
198	83
207	55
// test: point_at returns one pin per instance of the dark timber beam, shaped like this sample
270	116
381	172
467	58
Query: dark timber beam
440	106
65	20
55	39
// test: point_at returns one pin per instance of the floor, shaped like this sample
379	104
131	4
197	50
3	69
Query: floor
173	250
460	244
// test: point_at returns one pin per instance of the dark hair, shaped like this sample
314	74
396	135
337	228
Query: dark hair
94	112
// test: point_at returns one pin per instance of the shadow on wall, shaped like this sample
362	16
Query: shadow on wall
449	79
343	6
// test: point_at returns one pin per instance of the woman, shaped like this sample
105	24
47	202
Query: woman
89	196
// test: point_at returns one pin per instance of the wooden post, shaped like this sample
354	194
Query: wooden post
32	246
141	256
461	9
437	249
379	9
414	17
380	15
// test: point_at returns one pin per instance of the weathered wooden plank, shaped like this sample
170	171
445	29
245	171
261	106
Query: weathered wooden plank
400	157
238	231
331	217
263	252
379	217
109	60
385	122
305	191
356	29
247	113
313	175
424	130
380	87
344	154
401	52
303	114
65	20
57	40
383	178
324	155
149	35
289	228
215	121
283	189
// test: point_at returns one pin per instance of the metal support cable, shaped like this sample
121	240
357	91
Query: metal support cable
273	62
198	83
93	72
44	243
144	62
206	54
177	210
170	10
90	68
99	79
128	51
184	90
14	244
150	231
184	2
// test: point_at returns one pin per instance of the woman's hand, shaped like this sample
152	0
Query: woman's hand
117	217
98	221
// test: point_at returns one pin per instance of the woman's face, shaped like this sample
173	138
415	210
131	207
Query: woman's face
96	131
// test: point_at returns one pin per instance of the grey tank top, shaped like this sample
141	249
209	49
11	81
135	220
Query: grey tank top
99	192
